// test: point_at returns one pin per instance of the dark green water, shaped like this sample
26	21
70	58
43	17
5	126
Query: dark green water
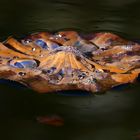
113	116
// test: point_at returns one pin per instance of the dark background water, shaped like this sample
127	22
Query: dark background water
113	116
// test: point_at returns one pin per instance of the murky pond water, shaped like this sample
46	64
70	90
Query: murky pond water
113	116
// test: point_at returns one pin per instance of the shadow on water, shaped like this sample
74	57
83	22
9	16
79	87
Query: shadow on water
113	115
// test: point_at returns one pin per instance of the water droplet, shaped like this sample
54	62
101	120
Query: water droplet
15	57
54	46
33	49
18	65
22	73
59	35
25	64
26	41
53	68
50	71
82	75
41	55
61	72
41	43
77	44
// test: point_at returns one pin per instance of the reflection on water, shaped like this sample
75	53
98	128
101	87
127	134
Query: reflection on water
114	115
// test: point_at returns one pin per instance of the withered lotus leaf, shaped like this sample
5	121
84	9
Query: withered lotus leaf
67	60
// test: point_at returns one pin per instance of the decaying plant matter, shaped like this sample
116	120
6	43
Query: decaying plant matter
66	60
